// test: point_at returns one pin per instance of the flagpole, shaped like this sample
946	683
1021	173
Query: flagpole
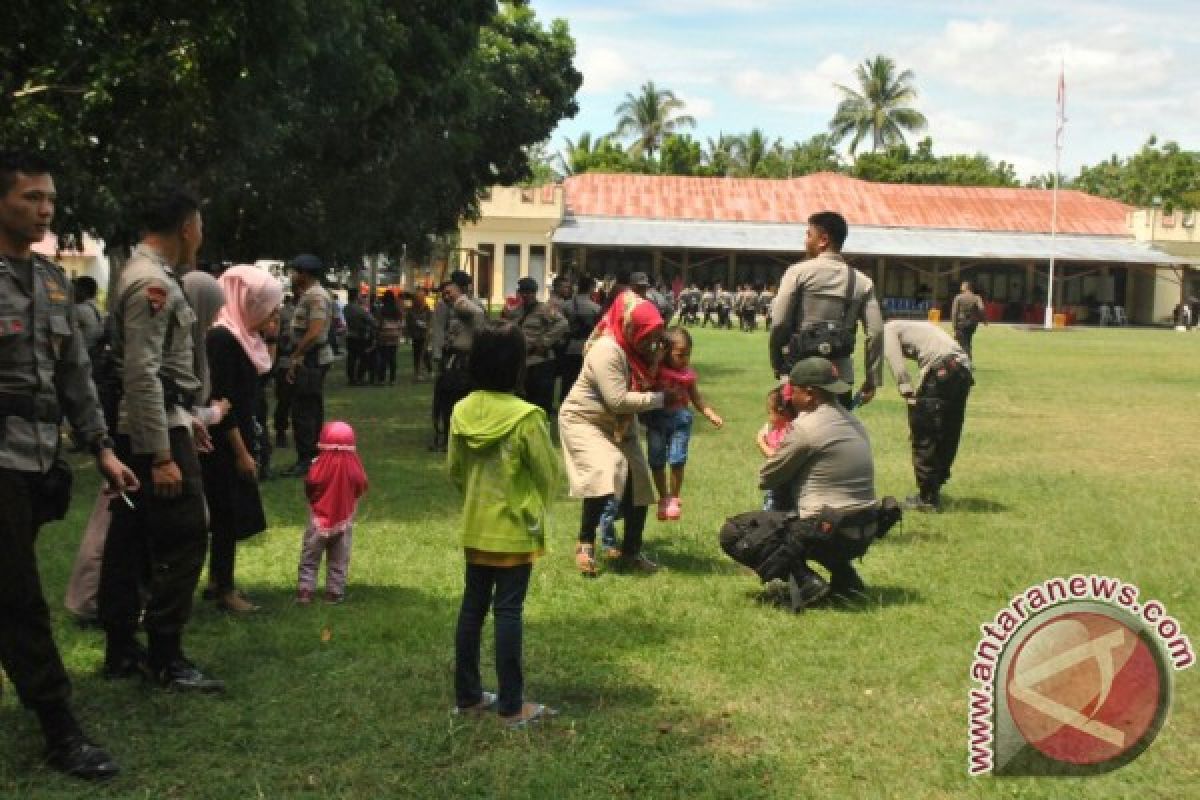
1048	322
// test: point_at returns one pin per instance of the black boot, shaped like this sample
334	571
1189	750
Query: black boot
68	750
806	587
846	584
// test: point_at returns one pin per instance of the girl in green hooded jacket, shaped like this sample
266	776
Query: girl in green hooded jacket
501	457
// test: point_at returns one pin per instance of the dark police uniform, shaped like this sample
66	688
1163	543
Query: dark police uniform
161	541
937	400
45	375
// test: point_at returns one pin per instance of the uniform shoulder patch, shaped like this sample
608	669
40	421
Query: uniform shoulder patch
156	297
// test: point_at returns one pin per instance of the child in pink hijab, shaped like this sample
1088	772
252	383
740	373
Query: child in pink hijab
335	482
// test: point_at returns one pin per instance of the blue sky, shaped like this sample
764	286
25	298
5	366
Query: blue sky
986	72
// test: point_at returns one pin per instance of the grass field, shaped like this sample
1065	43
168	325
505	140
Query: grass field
1080	454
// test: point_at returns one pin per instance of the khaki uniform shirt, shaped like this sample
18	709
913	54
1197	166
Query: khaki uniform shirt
543	326
582	313
826	461
966	308
315	304
707	300
43	361
91	323
822	282
152	342
283	348
924	342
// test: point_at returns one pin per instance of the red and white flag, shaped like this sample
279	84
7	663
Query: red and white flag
1061	117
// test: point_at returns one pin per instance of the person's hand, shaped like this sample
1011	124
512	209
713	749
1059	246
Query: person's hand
168	480
119	477
247	468
201	437
220	408
714	418
866	393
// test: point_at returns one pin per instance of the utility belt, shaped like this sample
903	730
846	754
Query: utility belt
826	339
30	408
949	369
174	397
455	359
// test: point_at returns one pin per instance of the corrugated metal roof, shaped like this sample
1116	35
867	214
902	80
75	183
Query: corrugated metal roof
863	240
861	202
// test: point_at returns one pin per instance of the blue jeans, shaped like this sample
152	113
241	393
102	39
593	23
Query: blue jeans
668	434
503	590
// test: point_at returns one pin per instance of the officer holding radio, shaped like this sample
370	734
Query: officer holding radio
818	306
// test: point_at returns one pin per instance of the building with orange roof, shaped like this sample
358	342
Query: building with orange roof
916	241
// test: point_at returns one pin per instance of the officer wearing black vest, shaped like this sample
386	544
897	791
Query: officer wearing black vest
819	304
45	375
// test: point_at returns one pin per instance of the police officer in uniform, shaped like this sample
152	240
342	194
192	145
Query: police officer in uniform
937	400
708	302
819	304
544	328
158	541
724	307
582	313
44	375
966	312
825	462
461	316
311	356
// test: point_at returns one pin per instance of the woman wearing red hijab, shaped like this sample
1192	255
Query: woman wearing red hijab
596	425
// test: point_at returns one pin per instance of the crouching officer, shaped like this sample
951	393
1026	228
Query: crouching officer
45	375
544	329
825	463
937	401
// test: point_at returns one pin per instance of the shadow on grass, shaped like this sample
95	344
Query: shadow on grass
775	596
973	505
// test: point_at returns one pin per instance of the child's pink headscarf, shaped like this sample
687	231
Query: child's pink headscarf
335	480
251	296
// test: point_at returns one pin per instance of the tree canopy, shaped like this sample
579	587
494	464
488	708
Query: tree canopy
649	117
339	126
1157	175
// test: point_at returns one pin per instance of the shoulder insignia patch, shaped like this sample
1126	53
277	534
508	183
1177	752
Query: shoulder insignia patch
156	296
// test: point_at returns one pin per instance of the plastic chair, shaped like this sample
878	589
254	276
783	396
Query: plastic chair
1119	317
1106	315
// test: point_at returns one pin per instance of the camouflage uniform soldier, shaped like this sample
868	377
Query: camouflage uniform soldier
544	329
44	374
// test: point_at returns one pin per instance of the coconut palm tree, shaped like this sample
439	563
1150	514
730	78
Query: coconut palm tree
650	116
576	155
880	108
753	149
720	154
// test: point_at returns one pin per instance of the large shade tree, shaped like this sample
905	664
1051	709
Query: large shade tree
648	117
879	109
338	126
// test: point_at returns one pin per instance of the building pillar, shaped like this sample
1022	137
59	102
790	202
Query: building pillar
685	266
1030	270
581	259
732	271
656	265
880	278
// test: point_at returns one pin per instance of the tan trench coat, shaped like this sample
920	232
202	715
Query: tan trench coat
598	410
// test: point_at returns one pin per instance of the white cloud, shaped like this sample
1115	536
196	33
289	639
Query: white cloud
702	108
797	89
604	70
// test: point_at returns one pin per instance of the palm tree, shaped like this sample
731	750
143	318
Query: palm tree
649	117
753	149
576	155
721	154
880	108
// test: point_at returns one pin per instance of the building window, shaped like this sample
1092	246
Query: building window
484	264
512	268
537	264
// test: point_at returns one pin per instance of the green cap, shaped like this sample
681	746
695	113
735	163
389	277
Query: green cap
818	372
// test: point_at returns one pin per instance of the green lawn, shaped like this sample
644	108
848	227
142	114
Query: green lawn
1080	454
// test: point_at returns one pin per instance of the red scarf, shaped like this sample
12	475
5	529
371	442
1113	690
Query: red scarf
335	480
631	320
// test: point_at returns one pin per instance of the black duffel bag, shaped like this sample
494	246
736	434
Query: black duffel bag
762	541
